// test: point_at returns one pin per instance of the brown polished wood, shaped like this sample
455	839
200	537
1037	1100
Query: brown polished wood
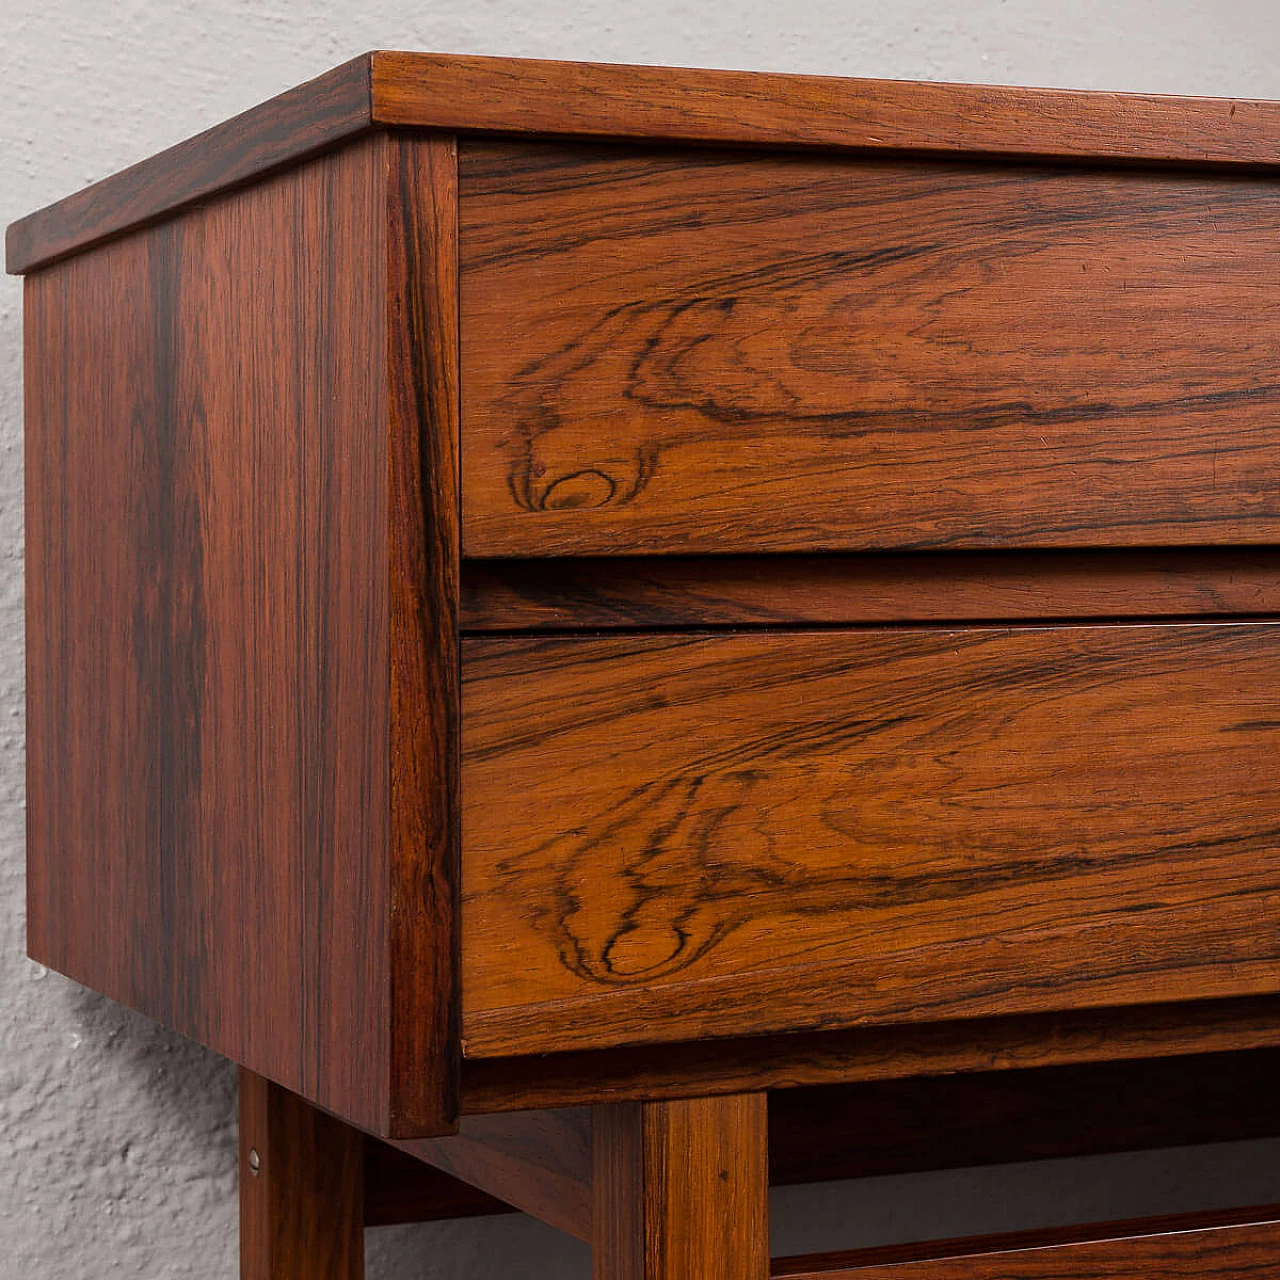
517	95
399	1188
221	468
537	1161
876	1053
681	1190
675	352
422	530
789	1061
288	129
617	101
864	1130
672	592
554	586
1001	1117
301	1189
1231	1244
726	835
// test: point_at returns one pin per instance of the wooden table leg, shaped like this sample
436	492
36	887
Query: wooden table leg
301	1189
681	1190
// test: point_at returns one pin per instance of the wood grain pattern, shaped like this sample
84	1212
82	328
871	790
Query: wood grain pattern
884	1127
738	834
681	352
1232	1244
422	445
511	95
211	627
285	130
681	1190
1140	1033
701	591
301	1189
537	1161
508	95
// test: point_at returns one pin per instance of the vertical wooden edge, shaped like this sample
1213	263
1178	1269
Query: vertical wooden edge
254	1210
681	1189
37	940
423	566
617	1191
301	1188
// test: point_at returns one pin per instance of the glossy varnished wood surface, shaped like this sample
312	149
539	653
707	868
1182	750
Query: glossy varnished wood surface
285	130
507	95
617	101
717	591
301	1188
680	1189
734	834
217	601
542	1161
539	1160
422	567
1230	1244
698	352
1141	1033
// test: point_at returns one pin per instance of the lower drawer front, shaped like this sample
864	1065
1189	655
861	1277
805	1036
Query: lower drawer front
676	836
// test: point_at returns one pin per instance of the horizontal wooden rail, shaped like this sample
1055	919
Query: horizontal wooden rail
844	590
1224	1245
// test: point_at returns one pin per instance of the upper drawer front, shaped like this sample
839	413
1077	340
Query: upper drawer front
683	351
668	837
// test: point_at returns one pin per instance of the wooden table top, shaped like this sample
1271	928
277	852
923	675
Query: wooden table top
591	100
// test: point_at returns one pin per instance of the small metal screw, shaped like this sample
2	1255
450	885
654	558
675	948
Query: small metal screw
255	1162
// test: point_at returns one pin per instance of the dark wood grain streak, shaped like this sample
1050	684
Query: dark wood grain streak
1231	1244
236	610
1142	1033
202	613
993	586
694	353
508	95
286	130
681	1190
734	834
423	554
302	1206
537	1161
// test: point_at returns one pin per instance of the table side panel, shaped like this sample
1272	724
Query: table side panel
207	626
669	837
708	351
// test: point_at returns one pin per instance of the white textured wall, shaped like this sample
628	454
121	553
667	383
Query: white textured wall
116	1139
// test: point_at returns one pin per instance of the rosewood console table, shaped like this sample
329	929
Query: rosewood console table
615	634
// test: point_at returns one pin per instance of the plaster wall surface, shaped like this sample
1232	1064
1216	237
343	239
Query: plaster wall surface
117	1139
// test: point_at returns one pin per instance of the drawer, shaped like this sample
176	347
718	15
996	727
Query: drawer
682	351
672	836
